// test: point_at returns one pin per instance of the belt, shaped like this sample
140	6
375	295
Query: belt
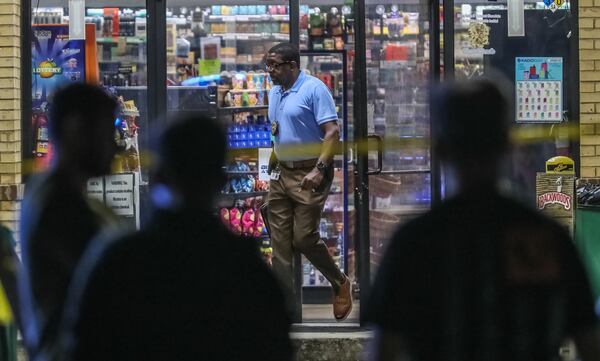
293	164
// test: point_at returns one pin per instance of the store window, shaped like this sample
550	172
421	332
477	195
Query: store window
532	49
108	49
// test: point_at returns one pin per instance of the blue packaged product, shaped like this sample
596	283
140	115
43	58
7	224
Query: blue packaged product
252	10
261	9
216	9
243	10
236	185
235	10
202	80
251	144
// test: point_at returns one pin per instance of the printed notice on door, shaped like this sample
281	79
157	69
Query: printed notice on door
119	190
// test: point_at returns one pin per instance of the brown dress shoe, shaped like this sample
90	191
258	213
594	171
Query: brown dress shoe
342	301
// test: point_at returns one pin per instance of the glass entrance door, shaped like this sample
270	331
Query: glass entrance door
397	78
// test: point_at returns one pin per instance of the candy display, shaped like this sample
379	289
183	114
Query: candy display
246	89
244	220
243	180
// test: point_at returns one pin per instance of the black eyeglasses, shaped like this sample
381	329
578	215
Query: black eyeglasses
274	66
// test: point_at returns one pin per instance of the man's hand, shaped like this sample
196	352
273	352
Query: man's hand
312	180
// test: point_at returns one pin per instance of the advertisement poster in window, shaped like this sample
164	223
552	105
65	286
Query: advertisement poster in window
56	61
538	89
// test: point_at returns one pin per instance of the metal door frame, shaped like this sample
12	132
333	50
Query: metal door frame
362	237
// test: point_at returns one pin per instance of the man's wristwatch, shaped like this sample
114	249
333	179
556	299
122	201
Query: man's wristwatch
321	167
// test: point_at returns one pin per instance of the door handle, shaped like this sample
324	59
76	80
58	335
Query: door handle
379	140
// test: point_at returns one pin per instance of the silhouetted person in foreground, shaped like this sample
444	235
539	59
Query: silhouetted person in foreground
58	220
184	287
8	296
479	277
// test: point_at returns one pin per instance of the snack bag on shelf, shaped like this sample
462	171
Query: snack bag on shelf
236	186
248	222
224	215
237	99
252	99
250	81
259	228
235	220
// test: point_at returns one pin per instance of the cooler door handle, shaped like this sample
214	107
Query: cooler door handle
379	140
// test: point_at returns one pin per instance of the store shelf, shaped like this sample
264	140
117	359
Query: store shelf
142	62
131	87
230	61
404	210
253	90
128	39
247	18
243	109
232	172
252	36
244	195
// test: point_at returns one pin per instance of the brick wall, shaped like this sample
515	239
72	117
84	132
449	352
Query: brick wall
10	117
589	71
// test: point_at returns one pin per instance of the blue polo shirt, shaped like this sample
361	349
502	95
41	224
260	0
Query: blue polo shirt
300	111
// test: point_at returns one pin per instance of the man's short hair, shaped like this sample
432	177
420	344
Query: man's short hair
470	119
85	103
287	51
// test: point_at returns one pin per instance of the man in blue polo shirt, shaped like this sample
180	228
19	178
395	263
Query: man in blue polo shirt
306	133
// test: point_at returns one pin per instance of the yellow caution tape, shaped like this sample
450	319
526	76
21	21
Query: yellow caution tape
519	135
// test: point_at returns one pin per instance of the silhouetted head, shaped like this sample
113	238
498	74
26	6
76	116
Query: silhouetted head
283	64
470	123
190	155
82	127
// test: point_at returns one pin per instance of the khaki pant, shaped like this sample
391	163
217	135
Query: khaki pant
294	217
